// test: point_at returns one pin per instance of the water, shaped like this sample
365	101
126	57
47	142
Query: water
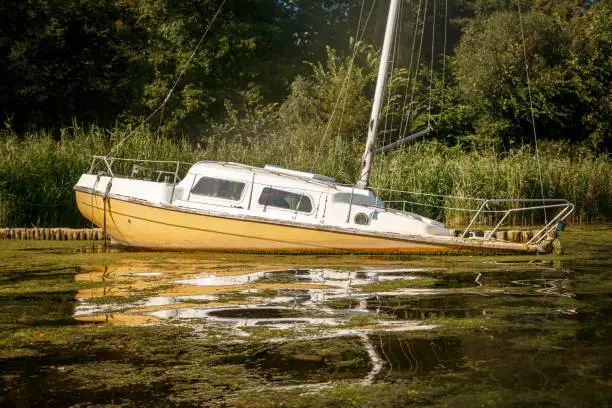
83	327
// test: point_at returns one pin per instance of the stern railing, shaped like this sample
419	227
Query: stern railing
560	209
565	209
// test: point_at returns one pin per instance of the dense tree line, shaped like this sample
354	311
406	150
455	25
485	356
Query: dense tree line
103	61
111	62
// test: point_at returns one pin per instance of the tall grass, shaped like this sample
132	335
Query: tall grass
37	172
566	172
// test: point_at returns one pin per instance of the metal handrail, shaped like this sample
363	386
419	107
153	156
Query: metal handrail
141	160
561	216
109	161
564	206
566	210
391	190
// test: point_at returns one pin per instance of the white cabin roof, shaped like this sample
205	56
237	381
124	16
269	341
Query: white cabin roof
245	172
303	174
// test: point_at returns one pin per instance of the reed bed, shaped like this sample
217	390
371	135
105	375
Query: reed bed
38	171
571	173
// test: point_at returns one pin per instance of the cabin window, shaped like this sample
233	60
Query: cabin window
218	188
357	199
284	199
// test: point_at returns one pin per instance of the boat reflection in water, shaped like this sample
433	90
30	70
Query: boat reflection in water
229	301
238	296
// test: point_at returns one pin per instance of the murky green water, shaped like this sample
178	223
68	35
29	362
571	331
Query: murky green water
82	327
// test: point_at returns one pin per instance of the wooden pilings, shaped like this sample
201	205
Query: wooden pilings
52	234
88	234
506	235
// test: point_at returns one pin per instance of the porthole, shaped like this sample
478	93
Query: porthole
361	219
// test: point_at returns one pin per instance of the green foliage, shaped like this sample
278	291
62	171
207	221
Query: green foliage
115	62
38	172
338	89
60	60
245	44
569	66
103	61
431	167
248	96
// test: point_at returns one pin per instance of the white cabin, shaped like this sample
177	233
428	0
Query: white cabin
271	192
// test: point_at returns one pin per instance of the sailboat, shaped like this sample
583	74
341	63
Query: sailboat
226	206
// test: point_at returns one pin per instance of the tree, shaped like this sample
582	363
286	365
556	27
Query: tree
61	60
569	67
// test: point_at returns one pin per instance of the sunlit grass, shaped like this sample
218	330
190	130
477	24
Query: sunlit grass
37	172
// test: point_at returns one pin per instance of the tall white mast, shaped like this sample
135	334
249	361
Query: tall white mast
368	154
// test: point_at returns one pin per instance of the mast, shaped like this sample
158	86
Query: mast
368	154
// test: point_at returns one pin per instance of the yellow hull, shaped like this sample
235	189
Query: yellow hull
146	225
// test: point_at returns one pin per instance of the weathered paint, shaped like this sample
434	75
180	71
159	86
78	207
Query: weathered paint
157	226
52	234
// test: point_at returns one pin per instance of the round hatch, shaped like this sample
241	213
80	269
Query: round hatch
361	219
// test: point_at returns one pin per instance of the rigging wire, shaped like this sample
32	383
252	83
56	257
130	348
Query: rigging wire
416	73
414	37
535	135
161	118
348	83
344	87
444	58
433	39
410	66
163	104
388	126
409	113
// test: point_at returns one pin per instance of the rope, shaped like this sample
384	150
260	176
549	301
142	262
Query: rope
105	202
92	200
161	107
535	136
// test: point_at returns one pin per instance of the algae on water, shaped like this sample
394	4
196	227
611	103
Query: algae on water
142	328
